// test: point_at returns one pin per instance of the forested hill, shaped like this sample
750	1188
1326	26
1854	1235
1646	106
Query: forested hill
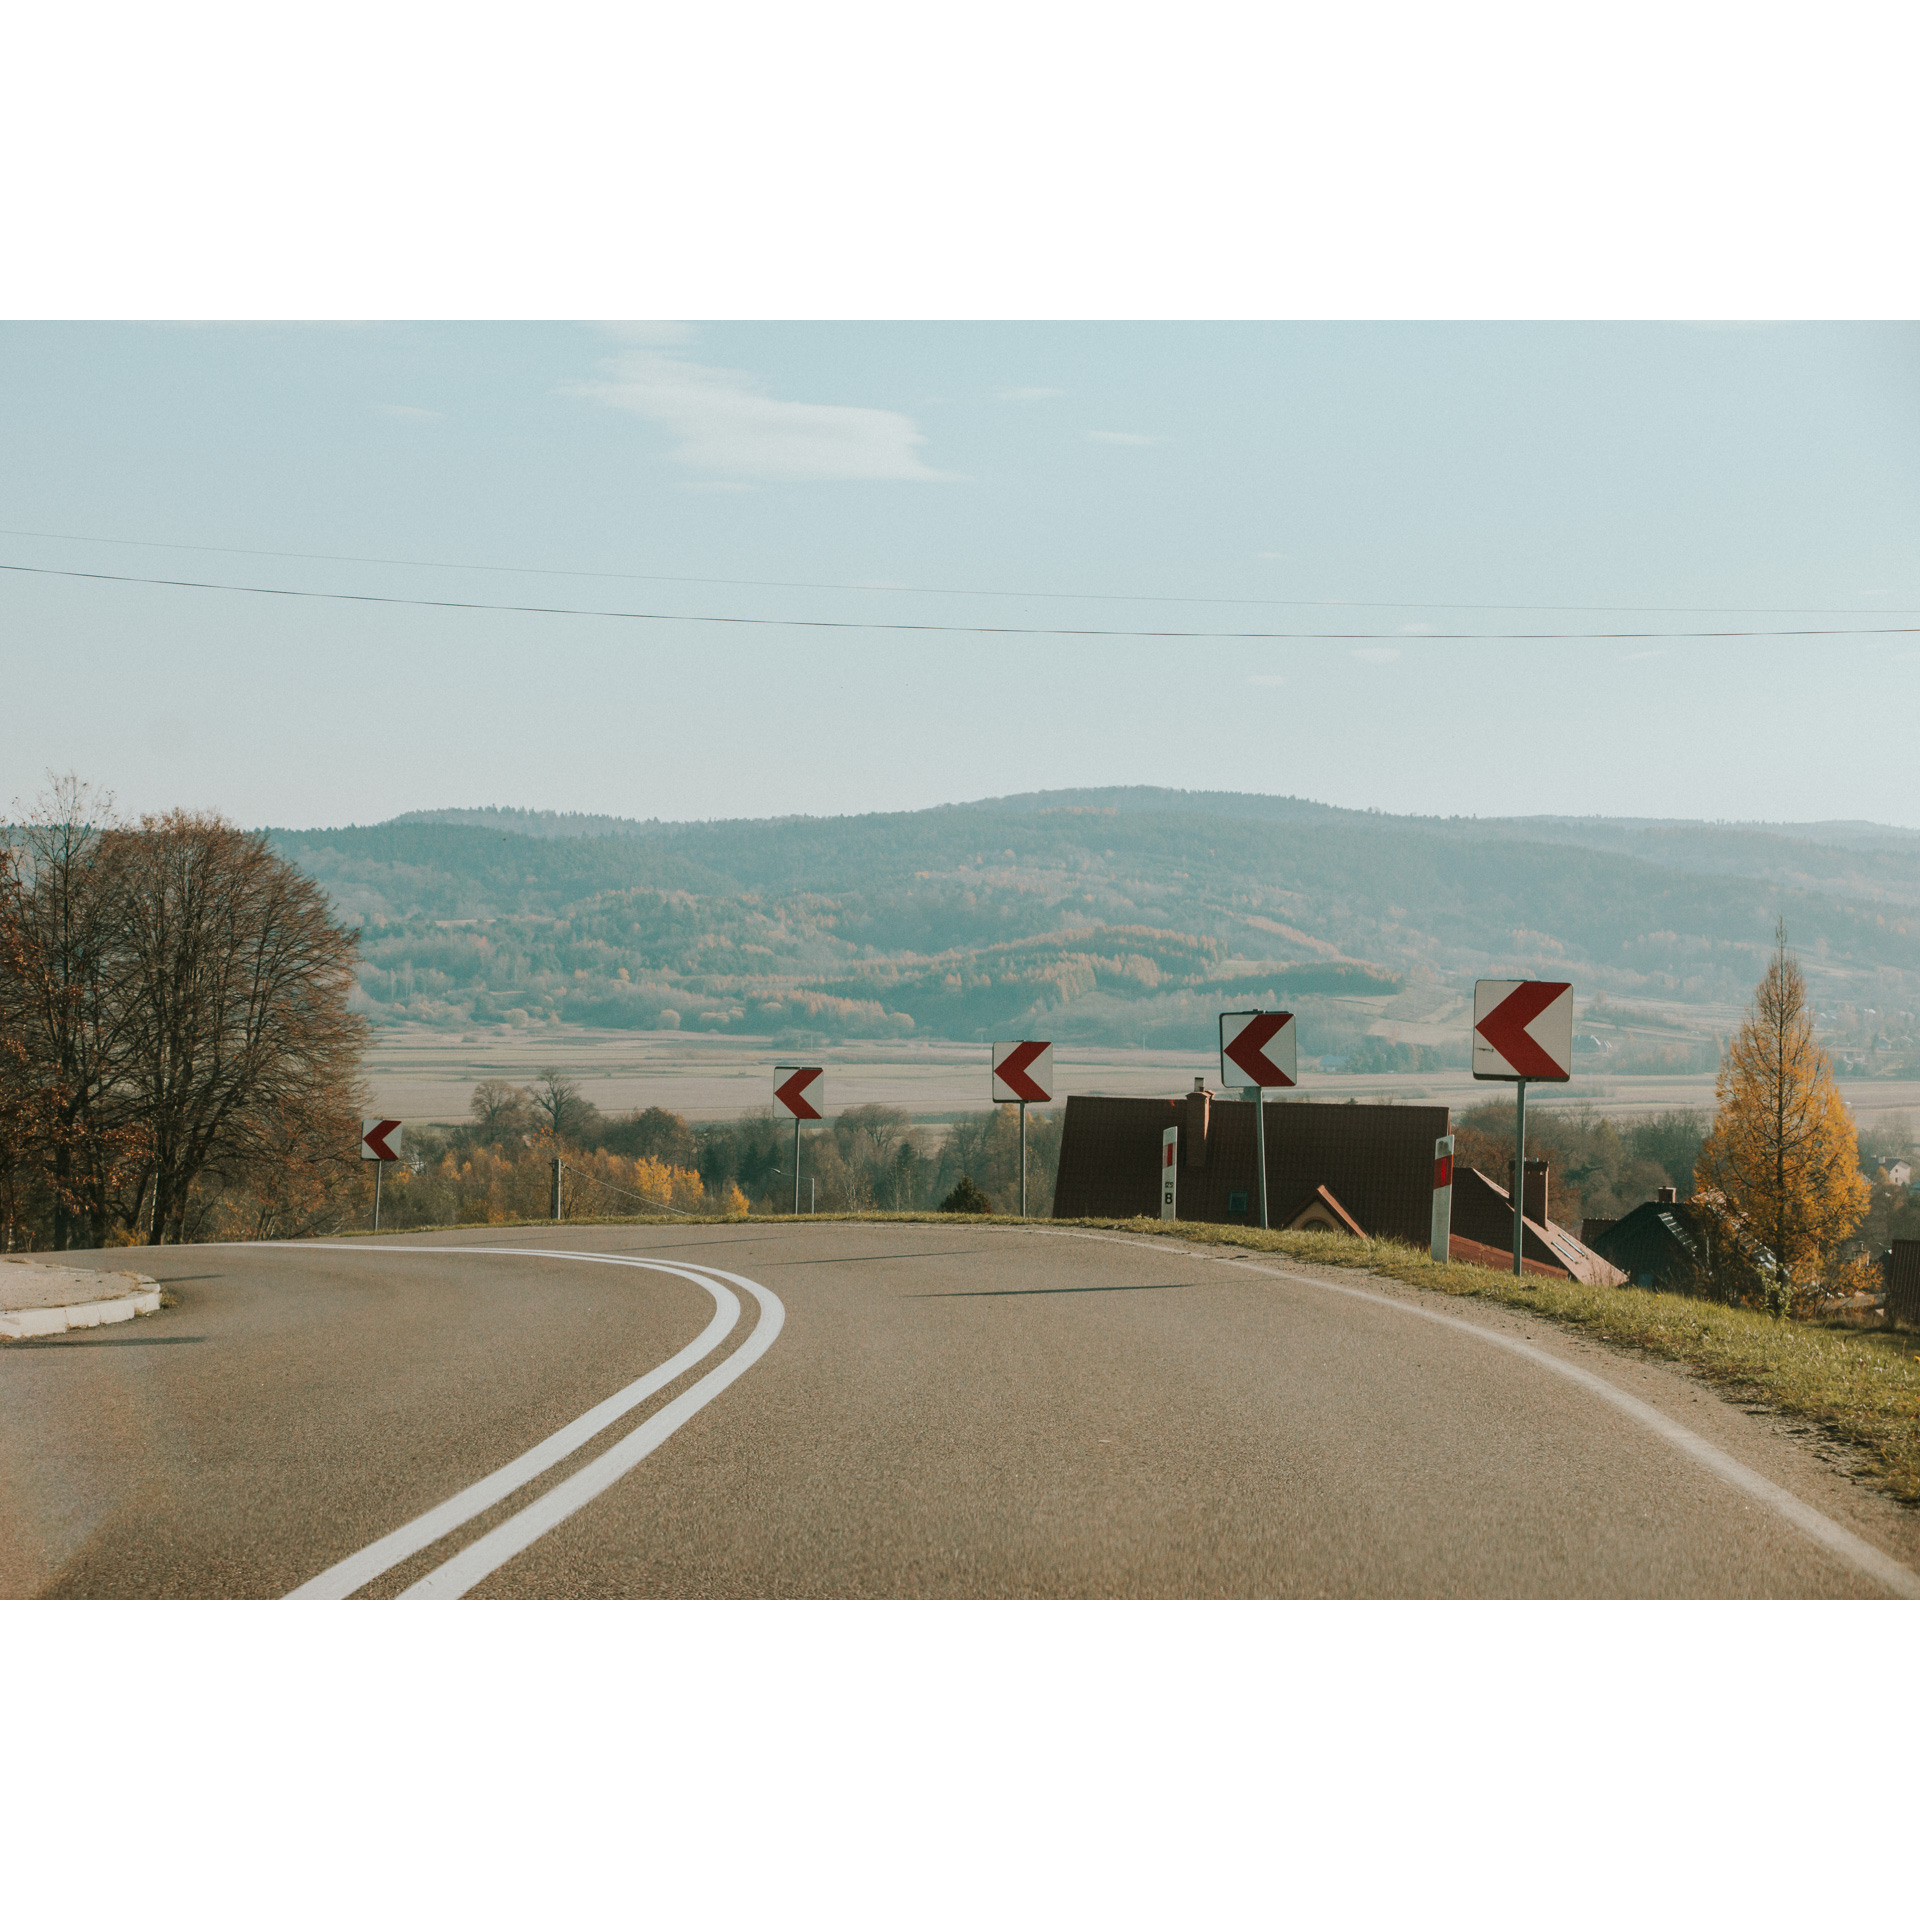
1118	915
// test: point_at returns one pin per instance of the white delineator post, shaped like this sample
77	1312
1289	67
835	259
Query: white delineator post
1169	1172
1442	1197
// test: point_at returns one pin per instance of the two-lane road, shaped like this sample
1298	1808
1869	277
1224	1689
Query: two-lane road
833	1410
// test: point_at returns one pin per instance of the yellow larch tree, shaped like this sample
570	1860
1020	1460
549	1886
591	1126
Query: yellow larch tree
1783	1149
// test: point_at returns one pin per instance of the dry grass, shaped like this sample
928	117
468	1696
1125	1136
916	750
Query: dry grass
1862	1385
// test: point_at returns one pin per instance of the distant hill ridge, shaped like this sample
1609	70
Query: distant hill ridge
547	824
1059	907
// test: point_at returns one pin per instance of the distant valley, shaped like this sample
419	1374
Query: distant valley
1127	916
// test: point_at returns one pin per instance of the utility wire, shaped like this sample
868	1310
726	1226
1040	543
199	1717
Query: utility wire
633	1193
937	626
955	593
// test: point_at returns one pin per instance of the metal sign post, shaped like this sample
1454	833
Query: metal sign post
379	1167
1259	1050
802	1092
1260	1149
1519	1173
1022	1071
1522	1030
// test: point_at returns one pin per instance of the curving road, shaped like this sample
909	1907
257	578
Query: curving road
837	1410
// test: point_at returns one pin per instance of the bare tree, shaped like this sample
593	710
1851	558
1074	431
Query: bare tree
65	1005
500	1110
244	1048
559	1104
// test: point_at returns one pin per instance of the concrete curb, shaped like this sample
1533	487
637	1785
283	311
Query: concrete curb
31	1322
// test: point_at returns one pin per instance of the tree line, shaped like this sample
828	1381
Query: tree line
874	1158
177	1054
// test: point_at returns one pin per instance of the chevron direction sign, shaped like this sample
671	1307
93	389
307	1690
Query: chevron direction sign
1523	1030
1023	1070
1259	1050
379	1139
802	1091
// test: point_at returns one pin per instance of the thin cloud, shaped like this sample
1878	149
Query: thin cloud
1266	679
1376	656
1122	439
723	424
408	413
1031	393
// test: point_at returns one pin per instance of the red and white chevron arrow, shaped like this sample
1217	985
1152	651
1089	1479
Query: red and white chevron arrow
801	1092
1259	1050
379	1139
1022	1070
1523	1030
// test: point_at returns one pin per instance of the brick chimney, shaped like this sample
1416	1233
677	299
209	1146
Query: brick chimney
1199	1113
1664	1196
1535	1204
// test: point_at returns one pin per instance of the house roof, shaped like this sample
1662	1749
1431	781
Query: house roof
1483	1211
1323	1210
1660	1235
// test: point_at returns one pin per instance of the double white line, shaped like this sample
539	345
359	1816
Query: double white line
519	1531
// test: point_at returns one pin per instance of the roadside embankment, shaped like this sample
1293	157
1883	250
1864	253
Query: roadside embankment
36	1298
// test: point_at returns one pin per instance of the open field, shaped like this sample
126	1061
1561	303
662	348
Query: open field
425	1076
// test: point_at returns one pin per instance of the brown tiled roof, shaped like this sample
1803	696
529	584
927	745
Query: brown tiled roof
1324	1211
1483	1211
1477	1254
1379	1160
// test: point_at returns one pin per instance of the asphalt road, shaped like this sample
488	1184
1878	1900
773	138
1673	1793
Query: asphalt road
868	1410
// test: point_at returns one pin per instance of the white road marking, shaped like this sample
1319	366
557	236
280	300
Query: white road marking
472	1564
1888	1572
349	1575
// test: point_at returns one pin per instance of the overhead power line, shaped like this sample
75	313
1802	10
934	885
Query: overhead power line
935	626
951	593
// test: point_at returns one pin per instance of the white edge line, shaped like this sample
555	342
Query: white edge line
514	1535
352	1573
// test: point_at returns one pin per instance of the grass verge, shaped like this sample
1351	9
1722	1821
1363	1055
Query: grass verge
1861	1385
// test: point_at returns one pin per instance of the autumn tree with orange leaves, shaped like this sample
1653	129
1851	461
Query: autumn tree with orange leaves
1783	1151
